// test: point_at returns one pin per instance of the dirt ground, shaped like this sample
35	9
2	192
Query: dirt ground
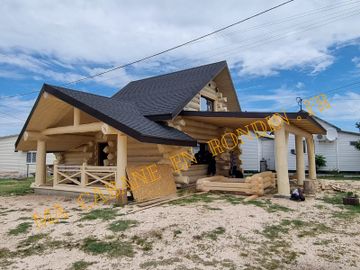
207	231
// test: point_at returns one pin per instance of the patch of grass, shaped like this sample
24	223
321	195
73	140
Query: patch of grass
211	208
122	225
268	206
339	177
68	234
177	232
31	240
273	231
213	235
4	253
347	212
324	242
155	263
215	263
145	244
114	248
12	187
104	214
24	218
205	197
335	199
21	228
232	199
80	265
302	227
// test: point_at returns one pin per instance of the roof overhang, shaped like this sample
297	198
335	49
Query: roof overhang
235	120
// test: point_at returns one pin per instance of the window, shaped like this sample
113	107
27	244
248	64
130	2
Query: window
304	146
353	143
31	157
206	104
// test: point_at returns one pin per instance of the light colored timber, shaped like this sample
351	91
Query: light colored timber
297	131
121	163
108	130
300	164
197	124
77	118
281	161
204	131
92	127
250	198
311	158
34	136
40	174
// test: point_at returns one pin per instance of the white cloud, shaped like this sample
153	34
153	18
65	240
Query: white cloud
71	34
356	61
282	99
13	114
300	85
344	107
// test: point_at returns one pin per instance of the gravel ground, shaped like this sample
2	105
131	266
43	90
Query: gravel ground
211	231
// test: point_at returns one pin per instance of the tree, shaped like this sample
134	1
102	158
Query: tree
357	125
357	145
320	161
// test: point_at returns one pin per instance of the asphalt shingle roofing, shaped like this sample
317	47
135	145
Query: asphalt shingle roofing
168	94
132	108
123	116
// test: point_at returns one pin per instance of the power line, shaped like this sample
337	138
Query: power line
271	38
180	45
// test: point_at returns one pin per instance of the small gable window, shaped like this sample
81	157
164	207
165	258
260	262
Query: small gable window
206	104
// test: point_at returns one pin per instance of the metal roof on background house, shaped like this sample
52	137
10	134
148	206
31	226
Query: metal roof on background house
169	93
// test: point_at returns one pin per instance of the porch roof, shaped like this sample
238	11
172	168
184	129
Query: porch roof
234	120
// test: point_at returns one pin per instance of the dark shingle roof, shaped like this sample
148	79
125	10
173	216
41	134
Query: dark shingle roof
123	116
132	108
168	94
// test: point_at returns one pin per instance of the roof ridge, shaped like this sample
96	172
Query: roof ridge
166	74
70	89
91	94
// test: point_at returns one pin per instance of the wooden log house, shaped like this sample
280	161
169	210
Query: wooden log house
95	137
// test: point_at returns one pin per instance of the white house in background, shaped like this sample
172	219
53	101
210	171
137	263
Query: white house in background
337	146
17	164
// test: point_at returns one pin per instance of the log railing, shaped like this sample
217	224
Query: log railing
84	175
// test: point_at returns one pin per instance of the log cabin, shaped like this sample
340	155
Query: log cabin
95	138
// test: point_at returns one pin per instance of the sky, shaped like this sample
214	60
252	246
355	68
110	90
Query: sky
302	49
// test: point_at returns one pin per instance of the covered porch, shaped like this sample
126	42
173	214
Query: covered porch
281	124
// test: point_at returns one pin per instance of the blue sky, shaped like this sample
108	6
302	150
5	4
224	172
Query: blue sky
302	49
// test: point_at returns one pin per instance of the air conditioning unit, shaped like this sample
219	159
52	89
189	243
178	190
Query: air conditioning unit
321	138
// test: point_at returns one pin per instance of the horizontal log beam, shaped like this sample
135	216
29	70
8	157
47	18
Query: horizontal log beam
297	131
34	136
92	127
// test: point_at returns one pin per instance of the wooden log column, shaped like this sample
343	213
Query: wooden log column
40	174
300	165
121	163
281	159
311	158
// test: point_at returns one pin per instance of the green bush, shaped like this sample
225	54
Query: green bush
357	145
320	161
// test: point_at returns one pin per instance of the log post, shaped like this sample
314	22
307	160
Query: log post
311	158
40	174
281	161
121	163
300	165
76	117
83	180
55	173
